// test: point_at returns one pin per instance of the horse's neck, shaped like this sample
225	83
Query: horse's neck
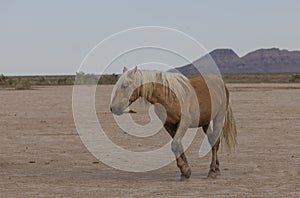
158	95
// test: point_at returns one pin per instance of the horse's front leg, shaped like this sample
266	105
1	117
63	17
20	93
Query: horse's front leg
178	151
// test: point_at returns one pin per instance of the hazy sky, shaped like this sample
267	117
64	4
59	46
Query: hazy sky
53	37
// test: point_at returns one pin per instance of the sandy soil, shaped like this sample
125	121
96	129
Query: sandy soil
41	154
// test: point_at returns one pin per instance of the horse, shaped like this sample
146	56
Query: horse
177	94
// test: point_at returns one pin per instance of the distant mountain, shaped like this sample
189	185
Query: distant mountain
260	61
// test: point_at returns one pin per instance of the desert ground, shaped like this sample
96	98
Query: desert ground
41	154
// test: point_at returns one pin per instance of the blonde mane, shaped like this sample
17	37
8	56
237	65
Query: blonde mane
175	85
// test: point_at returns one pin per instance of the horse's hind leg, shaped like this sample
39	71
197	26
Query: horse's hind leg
214	170
214	140
177	149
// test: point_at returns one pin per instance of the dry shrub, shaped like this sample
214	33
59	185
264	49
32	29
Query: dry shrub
23	85
295	78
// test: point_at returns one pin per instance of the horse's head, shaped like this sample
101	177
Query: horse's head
125	92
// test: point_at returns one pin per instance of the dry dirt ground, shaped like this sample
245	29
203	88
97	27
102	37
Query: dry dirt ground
41	154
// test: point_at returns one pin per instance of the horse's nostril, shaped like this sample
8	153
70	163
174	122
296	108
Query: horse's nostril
111	109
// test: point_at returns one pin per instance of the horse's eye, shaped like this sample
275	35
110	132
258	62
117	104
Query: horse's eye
123	86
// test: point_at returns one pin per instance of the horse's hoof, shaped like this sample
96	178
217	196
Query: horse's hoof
186	175
213	174
184	178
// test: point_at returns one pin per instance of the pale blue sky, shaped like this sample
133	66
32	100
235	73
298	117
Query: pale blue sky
53	37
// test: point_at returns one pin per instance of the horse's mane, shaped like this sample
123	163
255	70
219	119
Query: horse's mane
175	85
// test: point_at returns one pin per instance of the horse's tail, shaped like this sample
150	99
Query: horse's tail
229	129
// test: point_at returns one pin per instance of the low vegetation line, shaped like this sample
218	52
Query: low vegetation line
26	82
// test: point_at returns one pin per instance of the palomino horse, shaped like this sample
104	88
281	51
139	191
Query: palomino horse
171	90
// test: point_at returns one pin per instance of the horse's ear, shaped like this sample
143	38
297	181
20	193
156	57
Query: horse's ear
125	69
131	73
135	69
159	78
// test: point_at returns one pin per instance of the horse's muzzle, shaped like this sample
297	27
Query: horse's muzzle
116	111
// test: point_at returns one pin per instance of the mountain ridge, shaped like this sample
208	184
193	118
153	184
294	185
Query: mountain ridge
270	60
